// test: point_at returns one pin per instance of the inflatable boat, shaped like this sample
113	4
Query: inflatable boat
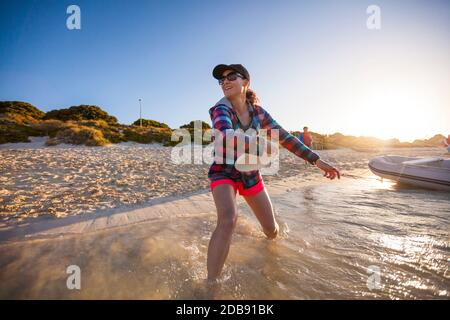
430	173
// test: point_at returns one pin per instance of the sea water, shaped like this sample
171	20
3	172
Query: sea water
360	238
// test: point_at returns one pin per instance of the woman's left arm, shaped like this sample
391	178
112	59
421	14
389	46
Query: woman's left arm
294	145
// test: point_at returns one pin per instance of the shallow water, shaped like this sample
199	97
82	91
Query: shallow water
331	234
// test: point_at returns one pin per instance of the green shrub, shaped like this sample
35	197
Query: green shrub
10	134
94	123
114	134
80	113
150	123
190	125
17	133
24	109
50	127
111	132
148	135
15	118
79	135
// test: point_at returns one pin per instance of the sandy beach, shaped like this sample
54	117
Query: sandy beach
66	180
138	226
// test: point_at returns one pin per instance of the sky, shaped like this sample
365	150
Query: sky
312	63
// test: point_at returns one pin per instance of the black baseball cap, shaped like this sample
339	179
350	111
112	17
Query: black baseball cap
220	68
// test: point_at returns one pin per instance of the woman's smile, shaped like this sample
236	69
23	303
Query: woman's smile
229	89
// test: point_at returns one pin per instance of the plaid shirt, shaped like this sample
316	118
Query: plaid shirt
224	118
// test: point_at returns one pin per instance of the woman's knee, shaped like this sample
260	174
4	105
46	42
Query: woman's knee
227	221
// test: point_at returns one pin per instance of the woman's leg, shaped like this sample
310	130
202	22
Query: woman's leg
225	199
263	210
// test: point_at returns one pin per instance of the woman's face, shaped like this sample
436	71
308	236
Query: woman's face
235	87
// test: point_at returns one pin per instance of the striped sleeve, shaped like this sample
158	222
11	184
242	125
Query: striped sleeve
287	140
221	118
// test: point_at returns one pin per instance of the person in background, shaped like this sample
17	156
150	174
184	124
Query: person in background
447	143
306	137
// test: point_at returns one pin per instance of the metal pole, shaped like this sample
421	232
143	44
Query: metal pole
140	113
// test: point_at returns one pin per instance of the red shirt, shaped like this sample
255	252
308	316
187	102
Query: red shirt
307	138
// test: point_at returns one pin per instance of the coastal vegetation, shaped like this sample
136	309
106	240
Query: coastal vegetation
92	126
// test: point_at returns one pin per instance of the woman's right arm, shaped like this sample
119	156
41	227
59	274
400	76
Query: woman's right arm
286	139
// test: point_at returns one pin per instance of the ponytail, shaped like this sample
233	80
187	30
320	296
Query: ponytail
251	96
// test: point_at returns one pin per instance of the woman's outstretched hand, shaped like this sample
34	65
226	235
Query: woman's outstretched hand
330	171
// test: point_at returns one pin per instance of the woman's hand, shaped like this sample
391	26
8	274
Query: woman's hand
330	171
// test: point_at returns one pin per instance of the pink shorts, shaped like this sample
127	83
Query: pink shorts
238	186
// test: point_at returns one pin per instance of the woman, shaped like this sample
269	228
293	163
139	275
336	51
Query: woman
239	109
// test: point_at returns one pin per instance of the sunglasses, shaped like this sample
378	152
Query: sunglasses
231	77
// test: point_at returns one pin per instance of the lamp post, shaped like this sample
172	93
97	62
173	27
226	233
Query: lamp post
140	113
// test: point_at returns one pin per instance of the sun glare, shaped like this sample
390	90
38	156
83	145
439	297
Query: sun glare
391	111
